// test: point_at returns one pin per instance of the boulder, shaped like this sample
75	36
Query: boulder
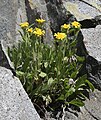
14	101
91	110
83	9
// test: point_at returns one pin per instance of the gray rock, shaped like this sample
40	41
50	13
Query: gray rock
83	9
14	102
9	11
92	40
36	9
11	14
89	39
91	110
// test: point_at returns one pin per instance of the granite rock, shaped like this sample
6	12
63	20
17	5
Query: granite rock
83	9
14	102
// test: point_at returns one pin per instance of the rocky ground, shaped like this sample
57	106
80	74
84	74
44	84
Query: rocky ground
55	12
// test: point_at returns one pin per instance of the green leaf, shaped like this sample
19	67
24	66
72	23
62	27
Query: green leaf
80	59
80	82
90	85
20	73
77	102
69	92
42	74
50	81
62	97
46	64
73	43
47	98
74	74
29	76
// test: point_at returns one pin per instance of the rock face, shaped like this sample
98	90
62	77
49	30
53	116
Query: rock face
11	14
36	9
83	9
14	102
91	110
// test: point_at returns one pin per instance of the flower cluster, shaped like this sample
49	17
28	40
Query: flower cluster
25	24
40	21
66	27
49	73
76	24
38	32
60	36
30	30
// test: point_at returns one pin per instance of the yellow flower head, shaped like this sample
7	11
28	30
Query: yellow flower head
65	26
30	30
40	21
25	24
39	32
76	24
60	36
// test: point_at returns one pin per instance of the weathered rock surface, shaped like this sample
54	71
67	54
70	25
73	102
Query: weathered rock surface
83	9
92	40
14	102
11	14
91	110
36	9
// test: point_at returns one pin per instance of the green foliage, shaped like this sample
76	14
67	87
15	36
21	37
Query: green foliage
50	73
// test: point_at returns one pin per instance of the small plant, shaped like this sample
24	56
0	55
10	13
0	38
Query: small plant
49	73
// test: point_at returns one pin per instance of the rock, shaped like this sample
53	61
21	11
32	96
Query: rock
58	15
91	110
93	42
83	9
14	102
93	62
88	13
36	9
11	14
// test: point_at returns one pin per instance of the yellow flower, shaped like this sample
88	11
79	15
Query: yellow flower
76	24
30	30
60	36
65	26
40	20
25	24
39	32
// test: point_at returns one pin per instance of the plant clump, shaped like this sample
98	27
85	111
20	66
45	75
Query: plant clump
49	73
